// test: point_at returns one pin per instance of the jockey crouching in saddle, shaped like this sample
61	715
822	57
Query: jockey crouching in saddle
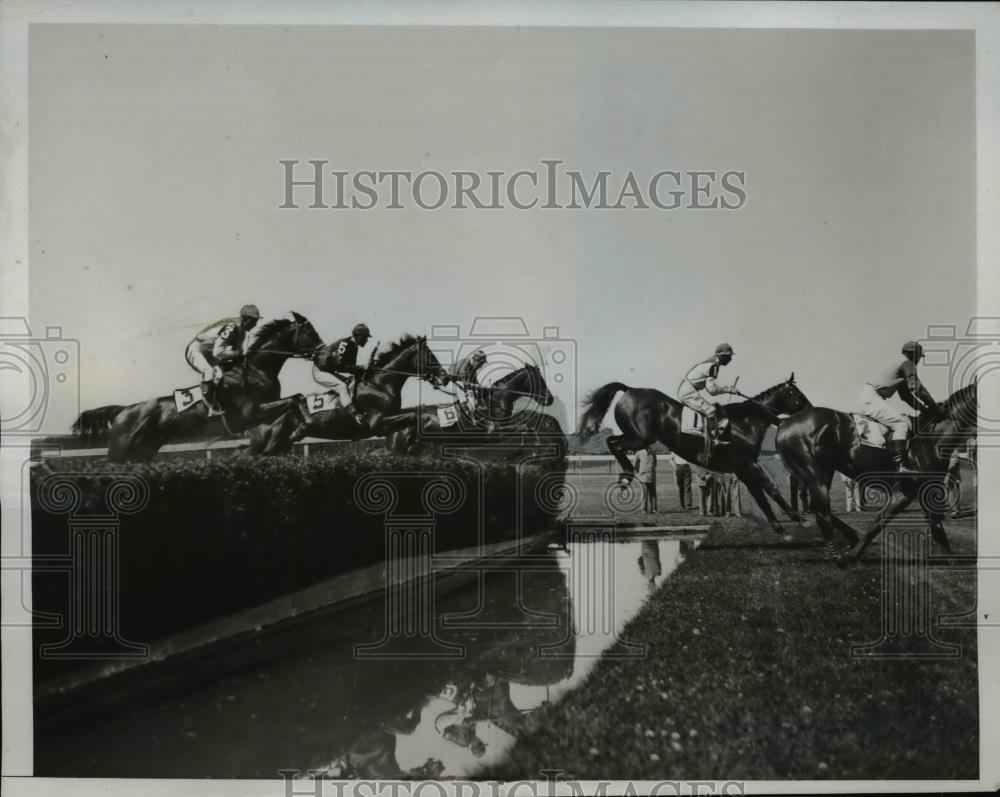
343	357
898	377
704	376
465	374
220	344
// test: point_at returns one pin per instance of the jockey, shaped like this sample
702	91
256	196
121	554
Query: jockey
343	356
216	345
897	377
466	373
703	376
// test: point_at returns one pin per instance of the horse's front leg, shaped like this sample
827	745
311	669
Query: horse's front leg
900	500
772	490
754	478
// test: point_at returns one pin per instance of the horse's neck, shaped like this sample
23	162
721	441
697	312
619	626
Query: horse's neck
397	371
268	363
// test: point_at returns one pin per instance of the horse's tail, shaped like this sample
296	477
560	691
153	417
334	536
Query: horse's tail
92	425
596	407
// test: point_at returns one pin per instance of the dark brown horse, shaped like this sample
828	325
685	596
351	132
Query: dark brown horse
646	416
378	396
494	407
139	430
817	442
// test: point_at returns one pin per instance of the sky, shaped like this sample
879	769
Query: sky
155	186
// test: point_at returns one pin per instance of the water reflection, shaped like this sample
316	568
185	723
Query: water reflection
529	637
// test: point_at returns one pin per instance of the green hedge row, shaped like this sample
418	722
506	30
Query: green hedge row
214	537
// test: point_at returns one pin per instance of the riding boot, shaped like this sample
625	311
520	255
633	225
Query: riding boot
208	390
898	450
359	417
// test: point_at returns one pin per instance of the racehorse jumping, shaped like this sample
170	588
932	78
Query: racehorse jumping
140	429
818	441
494	405
646	416
378	396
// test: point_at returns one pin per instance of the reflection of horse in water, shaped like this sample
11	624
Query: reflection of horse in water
377	398
647	416
816	443
139	430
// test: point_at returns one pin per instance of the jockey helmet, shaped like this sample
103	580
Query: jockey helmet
912	347
361	329
724	348
250	311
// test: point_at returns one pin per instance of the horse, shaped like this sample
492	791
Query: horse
646	415
93	425
378	396
494	411
139	430
819	441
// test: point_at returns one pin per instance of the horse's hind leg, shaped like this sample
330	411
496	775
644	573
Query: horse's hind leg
618	445
819	496
779	499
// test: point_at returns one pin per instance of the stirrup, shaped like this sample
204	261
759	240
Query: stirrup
214	411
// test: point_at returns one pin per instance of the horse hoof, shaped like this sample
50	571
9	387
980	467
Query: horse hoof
805	524
786	537
843	561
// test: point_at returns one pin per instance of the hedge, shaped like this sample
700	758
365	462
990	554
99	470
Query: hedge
218	536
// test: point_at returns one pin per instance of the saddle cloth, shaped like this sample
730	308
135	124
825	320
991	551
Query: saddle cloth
187	397
692	421
447	415
322	402
871	432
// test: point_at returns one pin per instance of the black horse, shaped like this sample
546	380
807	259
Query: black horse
378	398
494	413
817	442
646	416
139	430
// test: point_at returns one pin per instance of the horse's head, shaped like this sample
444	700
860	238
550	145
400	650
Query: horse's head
408	356
428	366
962	408
294	335
784	398
537	386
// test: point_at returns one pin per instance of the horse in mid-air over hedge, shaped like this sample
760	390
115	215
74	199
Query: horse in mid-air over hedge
248	388
378	396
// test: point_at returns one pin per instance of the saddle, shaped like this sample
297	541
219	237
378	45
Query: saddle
874	433
693	422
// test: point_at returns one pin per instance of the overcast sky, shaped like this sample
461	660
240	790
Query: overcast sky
155	185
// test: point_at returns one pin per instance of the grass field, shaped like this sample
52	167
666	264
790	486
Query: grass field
750	674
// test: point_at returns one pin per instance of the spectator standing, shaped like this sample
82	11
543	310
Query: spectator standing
645	467
852	494
682	476
706	483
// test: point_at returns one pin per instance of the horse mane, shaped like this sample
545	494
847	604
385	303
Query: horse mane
766	394
956	399
503	380
266	331
395	348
